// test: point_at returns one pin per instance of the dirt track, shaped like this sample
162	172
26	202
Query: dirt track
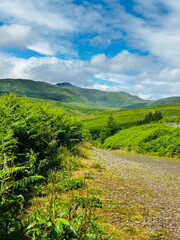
140	193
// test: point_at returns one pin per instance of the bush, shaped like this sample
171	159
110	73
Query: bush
33	133
32	136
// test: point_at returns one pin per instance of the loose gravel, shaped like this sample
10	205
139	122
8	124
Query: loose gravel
140	191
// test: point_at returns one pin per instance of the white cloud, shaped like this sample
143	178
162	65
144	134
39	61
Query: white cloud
42	47
158	31
102	87
106	21
148	85
98	60
145	96
138	88
48	69
16	35
34	12
115	77
50	27
170	75
122	62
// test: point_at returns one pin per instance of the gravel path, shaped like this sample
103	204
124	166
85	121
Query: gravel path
140	192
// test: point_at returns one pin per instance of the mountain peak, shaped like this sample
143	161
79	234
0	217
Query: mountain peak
65	84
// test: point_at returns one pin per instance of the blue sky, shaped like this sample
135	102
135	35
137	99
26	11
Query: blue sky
112	45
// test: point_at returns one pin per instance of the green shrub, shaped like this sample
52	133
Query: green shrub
32	136
33	133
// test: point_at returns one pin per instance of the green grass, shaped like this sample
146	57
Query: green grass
126	118
96	117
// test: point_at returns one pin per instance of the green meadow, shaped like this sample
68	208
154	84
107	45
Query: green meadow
95	117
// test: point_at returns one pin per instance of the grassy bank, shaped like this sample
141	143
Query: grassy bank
157	138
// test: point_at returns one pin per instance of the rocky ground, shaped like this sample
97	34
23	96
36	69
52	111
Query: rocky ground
140	194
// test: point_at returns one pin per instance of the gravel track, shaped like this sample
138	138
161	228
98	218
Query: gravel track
140	191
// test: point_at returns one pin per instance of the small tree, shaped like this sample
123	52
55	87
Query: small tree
110	128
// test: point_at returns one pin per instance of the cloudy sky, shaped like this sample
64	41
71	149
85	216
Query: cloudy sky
112	45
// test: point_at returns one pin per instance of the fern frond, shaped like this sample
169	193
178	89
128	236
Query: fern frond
28	180
13	170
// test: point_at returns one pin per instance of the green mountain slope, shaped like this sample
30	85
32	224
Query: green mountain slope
118	99
112	99
167	101
109	99
41	90
66	92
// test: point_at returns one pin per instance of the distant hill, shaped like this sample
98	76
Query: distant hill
109	99
68	93
167	101
41	90
112	99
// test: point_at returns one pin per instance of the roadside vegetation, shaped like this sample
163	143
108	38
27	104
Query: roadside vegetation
154	138
38	154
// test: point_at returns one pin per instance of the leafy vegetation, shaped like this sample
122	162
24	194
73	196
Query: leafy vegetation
157	138
36	144
34	132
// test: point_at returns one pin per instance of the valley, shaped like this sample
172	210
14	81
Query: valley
63	185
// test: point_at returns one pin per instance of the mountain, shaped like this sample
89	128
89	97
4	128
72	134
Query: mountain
66	92
112	99
41	90
108	99
167	100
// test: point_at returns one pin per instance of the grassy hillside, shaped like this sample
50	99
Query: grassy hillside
68	93
128	118
41	90
76	109
109	99
167	101
112	99
155	138
118	99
